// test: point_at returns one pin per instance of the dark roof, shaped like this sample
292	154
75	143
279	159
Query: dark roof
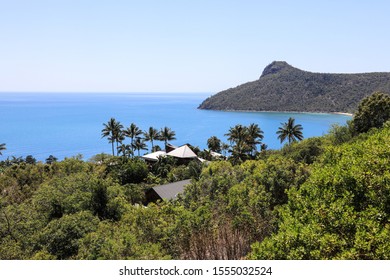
170	191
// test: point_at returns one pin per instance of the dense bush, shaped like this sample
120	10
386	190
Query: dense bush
128	171
342	211
305	151
373	111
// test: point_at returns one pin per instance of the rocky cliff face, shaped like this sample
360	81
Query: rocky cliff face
282	87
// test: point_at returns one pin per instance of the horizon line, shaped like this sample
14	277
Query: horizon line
113	92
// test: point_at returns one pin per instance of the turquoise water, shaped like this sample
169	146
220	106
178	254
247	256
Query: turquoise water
67	124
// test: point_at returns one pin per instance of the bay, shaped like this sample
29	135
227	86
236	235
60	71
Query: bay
68	124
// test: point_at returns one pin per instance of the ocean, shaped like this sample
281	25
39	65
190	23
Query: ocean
68	124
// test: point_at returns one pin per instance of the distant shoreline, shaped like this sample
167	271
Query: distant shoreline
341	113
285	112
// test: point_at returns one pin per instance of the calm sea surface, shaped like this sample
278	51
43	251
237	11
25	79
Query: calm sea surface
67	124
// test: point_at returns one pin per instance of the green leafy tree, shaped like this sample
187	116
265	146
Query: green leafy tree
163	166
340	134
133	171
61	236
373	111
30	159
19	225
99	200
51	159
341	211
290	131
306	151
118	242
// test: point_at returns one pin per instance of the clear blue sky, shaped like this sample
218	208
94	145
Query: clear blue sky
183	46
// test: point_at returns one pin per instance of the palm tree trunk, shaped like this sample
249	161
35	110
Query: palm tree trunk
132	148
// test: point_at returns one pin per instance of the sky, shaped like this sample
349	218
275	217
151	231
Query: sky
183	46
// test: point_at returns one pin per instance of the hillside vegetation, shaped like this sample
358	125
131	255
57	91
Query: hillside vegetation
282	87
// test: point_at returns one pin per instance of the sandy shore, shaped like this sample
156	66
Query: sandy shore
341	113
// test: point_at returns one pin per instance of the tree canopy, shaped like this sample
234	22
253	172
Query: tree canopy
373	111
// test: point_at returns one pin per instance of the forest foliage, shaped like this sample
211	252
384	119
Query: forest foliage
321	198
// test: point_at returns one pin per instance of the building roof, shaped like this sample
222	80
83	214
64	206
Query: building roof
182	152
215	154
154	156
170	191
169	147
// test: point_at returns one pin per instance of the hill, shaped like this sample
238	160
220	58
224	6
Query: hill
282	87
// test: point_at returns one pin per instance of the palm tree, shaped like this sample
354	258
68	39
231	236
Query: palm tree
119	135
109	131
290	131
113	131
151	134
240	151
224	147
255	136
125	150
214	144
132	132
2	148
139	144
237	134
166	134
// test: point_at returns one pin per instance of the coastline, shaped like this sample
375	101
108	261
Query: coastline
342	113
284	112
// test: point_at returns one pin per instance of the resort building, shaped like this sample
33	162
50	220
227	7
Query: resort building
183	154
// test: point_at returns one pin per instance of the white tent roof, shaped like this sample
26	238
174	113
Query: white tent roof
182	152
154	156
